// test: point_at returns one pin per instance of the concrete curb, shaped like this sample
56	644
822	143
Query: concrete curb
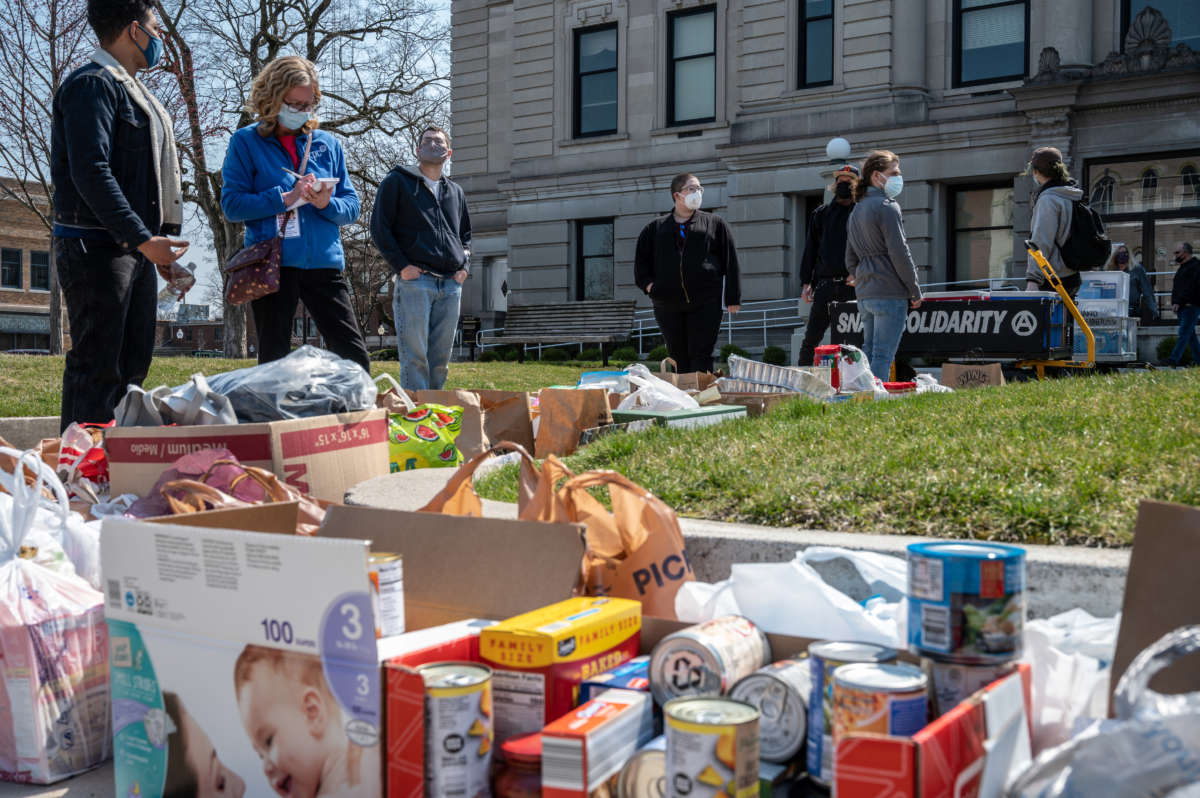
25	432
1060	577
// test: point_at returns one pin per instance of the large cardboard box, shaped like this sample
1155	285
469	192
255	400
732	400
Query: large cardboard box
323	456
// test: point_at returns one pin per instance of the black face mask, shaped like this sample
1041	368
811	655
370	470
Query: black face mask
842	191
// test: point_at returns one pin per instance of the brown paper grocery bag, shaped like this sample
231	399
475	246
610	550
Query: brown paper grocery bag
459	496
565	414
691	381
471	439
636	551
506	417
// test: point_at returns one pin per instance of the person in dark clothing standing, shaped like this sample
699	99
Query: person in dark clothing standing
823	266
117	206
421	226
1185	301
686	261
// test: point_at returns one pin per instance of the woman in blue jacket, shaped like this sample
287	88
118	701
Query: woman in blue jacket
260	184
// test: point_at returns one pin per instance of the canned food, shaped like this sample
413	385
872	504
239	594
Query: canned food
645	774
780	693
954	682
966	601
824	658
885	699
458	728
707	659
712	748
386	572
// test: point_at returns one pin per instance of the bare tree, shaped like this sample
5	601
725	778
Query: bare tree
43	41
378	58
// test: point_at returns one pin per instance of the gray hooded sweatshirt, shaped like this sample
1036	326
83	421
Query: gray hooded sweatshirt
1051	225
877	255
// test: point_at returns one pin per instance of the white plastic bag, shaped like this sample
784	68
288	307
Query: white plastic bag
792	598
854	370
653	393
193	403
927	384
54	640
1152	749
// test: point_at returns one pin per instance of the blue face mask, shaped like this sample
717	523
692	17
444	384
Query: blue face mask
153	50
893	186
292	120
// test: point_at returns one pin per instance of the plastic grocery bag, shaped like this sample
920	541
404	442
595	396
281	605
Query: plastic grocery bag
424	435
54	642
854	370
191	404
308	382
1151	749
654	394
792	598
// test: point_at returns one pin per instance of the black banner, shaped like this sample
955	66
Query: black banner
968	328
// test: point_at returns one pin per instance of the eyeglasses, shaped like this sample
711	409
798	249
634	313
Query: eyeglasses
690	189
302	108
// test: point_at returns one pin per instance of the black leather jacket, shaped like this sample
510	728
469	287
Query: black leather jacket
102	164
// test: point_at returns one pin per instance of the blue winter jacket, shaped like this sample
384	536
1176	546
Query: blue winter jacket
253	187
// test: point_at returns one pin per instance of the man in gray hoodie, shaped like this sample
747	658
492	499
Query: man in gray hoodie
1053	205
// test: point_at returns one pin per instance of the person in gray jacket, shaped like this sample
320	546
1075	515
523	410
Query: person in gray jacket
880	265
1053	203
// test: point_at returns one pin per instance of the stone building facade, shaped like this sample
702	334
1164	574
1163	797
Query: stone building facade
24	278
570	118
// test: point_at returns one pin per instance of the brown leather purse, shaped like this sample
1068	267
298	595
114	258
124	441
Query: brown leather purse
253	272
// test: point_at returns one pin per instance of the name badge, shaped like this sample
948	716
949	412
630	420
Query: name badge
292	230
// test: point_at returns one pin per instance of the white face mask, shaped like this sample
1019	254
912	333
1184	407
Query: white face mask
694	200
893	186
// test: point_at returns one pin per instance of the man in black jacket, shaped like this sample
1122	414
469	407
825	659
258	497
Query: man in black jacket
117	203
421	226
1185	301
685	262
823	266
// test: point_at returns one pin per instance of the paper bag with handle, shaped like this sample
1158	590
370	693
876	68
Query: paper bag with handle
506	417
565	414
636	551
692	381
534	494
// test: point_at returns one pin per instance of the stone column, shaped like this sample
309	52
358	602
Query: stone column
908	45
1066	26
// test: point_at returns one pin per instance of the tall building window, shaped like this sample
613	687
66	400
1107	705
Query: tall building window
1183	18
39	271
1149	187
594	278
1189	180
982	241
815	63
992	40
596	81
10	268
1102	194
692	55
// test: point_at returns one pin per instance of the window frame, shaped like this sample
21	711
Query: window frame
32	266
671	62
802	20
577	82
956	77
20	284
953	229
581	258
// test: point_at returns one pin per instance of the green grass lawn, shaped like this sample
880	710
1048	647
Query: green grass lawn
31	385
1062	461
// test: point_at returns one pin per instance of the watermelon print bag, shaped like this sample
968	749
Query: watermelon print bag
423	435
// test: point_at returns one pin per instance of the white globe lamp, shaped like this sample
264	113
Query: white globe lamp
838	149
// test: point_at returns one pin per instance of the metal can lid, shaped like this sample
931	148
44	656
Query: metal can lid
900	678
454	674
710	711
382	556
848	651
969	549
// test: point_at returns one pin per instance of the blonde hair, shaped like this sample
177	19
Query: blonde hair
304	668
272	85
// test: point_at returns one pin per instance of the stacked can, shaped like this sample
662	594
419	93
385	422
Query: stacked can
966	614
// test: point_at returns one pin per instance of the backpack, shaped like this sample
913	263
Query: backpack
1087	247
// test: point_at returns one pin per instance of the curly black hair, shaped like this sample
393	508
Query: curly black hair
109	17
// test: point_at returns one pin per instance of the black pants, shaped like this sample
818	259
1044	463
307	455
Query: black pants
327	297
690	331
824	292
111	303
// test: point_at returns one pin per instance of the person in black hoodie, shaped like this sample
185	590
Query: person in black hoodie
823	266
1185	301
421	226
686	262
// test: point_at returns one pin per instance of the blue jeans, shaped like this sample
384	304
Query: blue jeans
883	324
1188	316
426	311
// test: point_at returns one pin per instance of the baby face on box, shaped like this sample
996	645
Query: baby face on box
297	728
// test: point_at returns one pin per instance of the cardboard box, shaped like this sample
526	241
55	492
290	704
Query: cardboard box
757	404
971	375
687	419
323	456
246	644
586	747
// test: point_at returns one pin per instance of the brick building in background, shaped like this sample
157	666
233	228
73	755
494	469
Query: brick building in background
24	277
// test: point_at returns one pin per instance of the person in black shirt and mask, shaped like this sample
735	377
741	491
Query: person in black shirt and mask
823	266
